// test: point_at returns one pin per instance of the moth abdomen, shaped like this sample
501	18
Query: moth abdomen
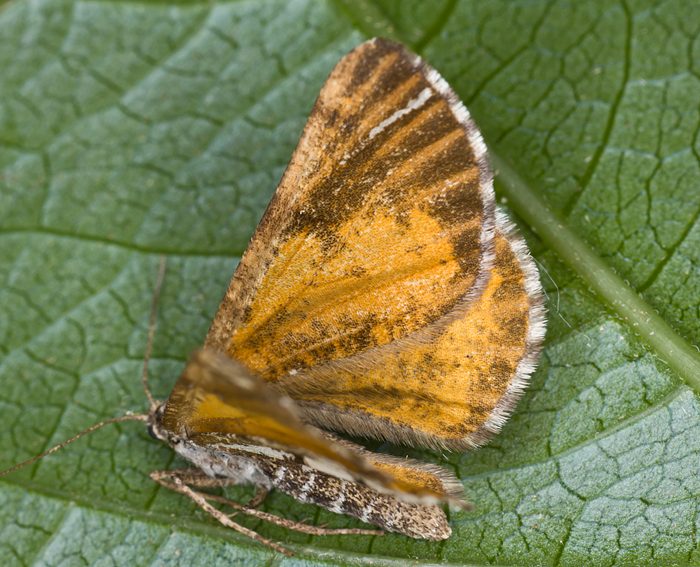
423	521
312	486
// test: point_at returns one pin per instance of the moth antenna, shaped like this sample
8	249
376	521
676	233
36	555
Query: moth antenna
83	433
144	379
152	319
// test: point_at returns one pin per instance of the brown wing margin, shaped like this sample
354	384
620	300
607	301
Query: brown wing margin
388	195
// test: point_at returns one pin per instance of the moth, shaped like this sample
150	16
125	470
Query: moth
382	296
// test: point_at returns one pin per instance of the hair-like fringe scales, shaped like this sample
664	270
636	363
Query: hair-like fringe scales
452	487
537	321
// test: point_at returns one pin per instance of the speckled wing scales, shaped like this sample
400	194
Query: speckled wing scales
382	223
453	392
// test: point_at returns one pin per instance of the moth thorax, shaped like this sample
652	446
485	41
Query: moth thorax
155	425
240	469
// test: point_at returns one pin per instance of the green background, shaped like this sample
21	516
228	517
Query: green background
131	129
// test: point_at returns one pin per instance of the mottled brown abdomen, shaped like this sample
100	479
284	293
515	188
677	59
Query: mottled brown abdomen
422	521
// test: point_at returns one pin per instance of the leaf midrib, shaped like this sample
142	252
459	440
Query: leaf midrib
619	297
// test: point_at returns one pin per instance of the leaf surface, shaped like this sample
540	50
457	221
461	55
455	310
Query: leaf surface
130	130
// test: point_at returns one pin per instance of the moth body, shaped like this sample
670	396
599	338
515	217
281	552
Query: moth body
237	467
234	463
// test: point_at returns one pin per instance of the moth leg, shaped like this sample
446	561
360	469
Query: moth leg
260	495
197	478
290	524
172	480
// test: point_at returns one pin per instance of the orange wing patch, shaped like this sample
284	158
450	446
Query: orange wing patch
453	392
410	478
381	225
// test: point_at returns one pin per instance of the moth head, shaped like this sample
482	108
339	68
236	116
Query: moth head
154	422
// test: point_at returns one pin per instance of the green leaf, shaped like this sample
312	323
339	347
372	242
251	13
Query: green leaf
130	130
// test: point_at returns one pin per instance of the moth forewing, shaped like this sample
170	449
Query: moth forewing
369	290
218	400
388	195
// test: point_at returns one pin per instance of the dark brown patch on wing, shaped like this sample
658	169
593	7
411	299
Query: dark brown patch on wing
375	231
337	197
